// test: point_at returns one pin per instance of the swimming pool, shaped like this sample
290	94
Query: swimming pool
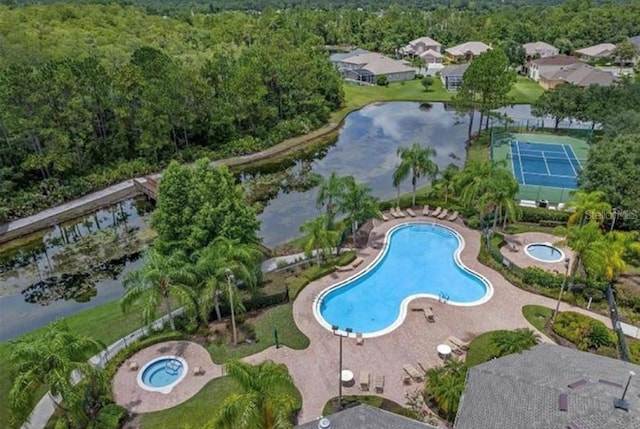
162	374
419	260
544	252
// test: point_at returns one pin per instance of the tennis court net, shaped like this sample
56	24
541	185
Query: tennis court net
547	159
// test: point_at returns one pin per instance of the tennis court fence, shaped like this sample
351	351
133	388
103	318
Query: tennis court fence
501	131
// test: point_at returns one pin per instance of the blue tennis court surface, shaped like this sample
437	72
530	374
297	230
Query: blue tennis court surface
544	164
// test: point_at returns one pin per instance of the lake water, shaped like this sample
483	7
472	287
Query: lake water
35	287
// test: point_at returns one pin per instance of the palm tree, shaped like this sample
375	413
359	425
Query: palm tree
265	402
445	185
358	203
319	236
57	359
415	160
472	182
589	206
161	279
211	270
587	244
618	247
330	190
510	342
445	385
500	193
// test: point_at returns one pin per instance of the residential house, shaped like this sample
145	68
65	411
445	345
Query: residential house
550	387
365	67
548	64
536	50
451	76
635	41
421	45
365	417
431	57
596	52
466	51
576	74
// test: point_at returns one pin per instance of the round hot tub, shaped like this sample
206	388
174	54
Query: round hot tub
544	252
162	374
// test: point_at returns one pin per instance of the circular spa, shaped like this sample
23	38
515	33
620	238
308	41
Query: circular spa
162	374
544	252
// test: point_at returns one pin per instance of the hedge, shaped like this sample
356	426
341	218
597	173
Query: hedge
110	417
538	215
580	330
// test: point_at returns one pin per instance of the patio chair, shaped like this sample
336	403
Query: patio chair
443	214
357	262
364	381
197	370
463	345
428	314
344	268
454	347
384	217
453	217
393	213
411	213
436	212
378	383
359	339
413	373
425	211
400	212
133	366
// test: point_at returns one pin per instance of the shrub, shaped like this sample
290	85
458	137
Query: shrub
543	278
536	214
382	81
583	331
110	417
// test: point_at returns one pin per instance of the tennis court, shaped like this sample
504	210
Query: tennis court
544	164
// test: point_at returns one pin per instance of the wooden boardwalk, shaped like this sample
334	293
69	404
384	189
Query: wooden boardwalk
147	186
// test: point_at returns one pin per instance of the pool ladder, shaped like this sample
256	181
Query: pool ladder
443	297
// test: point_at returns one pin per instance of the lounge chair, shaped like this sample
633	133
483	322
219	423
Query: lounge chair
357	262
364	381
425	211
411	213
359	339
384	217
436	212
454	347
344	268
133	366
197	370
394	213
443	214
453	217
428	314
413	373
463	345
378	383
400	212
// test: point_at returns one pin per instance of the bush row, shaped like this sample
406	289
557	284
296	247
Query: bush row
316	272
544	216
585	332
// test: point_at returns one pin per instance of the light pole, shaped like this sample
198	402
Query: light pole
622	403
336	331
567	263
230	279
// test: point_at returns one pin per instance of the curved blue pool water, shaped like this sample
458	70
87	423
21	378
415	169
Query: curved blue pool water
419	260
544	252
162	372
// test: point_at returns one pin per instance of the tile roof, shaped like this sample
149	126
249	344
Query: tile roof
556	60
535	47
603	49
454	70
432	53
341	56
579	74
379	64
522	391
426	40
475	48
367	417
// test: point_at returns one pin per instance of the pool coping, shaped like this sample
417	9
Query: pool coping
405	302
562	254
169	387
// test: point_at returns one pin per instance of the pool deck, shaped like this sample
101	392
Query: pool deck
315	369
137	400
521	259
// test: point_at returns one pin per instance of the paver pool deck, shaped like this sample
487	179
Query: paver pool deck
315	369
521	259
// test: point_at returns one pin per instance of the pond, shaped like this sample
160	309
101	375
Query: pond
80	265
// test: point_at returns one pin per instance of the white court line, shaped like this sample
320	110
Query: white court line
520	162
545	163
552	175
569	159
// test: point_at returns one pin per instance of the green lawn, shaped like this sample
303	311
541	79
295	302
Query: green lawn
200	409
481	349
525	91
280	318
105	323
537	315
